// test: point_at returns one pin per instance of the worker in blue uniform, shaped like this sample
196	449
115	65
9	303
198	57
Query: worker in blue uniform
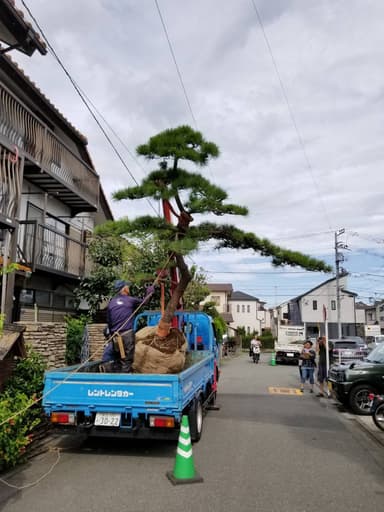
120	318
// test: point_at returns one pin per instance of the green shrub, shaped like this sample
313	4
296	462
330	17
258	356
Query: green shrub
267	340
2	320
15	433
21	391
28	376
75	330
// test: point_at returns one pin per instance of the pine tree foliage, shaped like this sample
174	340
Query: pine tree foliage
187	194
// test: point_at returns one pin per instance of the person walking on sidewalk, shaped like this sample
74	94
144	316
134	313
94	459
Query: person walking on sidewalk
307	356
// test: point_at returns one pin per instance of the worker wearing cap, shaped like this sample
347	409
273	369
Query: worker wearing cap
120	317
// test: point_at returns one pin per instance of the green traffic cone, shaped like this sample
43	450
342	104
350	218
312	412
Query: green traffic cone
273	359
184	469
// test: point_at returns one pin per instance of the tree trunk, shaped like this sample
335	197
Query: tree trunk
185	277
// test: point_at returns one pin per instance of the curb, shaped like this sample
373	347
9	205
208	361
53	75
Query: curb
366	424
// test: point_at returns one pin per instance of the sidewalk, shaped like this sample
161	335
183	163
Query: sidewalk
364	422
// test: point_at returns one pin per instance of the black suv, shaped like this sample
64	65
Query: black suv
353	383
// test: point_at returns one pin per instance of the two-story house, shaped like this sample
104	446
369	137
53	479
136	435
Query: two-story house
219	295
248	312
318	305
50	193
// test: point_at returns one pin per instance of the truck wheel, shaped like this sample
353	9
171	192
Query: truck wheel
195	419
378	417
359	400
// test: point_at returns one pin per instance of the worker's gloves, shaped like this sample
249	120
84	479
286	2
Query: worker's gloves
150	289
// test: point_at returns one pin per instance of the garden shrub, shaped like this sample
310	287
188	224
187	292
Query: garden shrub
75	330
16	432
20	395
267	340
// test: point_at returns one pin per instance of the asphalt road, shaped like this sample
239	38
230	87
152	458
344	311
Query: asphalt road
260	452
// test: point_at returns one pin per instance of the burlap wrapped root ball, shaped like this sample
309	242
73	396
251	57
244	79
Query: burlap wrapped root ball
159	355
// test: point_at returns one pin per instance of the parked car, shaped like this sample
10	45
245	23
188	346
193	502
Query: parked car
374	341
352	384
346	350
359	340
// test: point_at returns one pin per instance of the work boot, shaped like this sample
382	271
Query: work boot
126	366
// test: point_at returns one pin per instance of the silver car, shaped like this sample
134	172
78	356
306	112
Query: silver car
347	350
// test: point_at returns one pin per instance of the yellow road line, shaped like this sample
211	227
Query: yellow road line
284	391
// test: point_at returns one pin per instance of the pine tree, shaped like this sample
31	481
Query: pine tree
185	194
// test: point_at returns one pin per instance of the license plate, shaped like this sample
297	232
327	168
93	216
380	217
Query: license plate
289	354
348	353
107	419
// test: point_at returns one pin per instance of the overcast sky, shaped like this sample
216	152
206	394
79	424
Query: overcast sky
290	90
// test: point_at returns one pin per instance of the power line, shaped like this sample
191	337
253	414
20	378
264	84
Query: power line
304	235
260	272
176	65
83	99
366	237
290	110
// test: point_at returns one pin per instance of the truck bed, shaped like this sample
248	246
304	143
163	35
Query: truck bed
88	391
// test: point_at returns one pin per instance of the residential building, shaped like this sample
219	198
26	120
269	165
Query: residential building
248	312
313	307
219	295
50	193
379	310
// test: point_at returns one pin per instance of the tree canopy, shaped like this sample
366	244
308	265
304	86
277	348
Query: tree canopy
184	194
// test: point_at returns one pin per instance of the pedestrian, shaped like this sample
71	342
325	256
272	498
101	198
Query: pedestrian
254	349
120	317
322	374
307	356
253	343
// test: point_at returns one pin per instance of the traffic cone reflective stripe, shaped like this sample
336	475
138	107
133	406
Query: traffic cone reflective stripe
184	469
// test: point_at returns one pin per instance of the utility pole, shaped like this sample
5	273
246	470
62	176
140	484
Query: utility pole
338	259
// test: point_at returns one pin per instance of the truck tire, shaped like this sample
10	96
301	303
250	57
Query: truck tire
195	419
359	401
378	416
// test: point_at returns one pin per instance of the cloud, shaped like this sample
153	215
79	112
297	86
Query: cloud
311	165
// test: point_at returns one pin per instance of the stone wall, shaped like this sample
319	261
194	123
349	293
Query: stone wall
49	340
96	340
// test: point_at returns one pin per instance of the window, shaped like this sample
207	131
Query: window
216	299
248	309
333	305
42	298
26	297
228	308
238	308
314	305
248	330
243	308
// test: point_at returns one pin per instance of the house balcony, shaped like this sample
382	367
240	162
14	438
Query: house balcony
43	248
48	162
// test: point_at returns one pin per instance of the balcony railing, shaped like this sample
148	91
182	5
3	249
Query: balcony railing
10	187
45	248
20	127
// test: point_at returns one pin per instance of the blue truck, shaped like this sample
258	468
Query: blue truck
84	399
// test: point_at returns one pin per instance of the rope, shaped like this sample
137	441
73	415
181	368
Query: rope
81	365
26	486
